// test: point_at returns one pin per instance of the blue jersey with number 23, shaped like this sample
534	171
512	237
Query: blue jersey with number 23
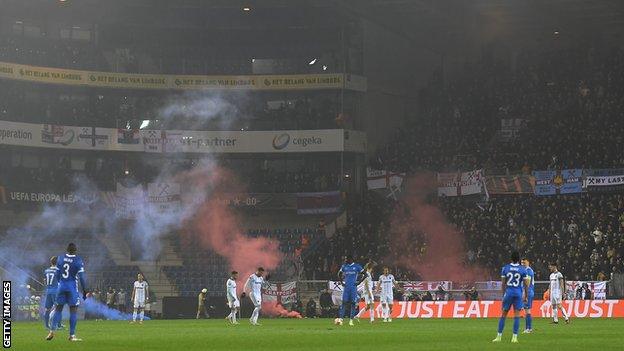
514	275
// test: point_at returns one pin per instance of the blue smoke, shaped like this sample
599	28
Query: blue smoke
100	310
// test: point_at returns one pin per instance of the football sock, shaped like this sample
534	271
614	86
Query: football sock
255	314
46	319
57	316
516	325
501	325
359	314
555	312
73	320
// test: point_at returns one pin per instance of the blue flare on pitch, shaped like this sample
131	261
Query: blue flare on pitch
100	310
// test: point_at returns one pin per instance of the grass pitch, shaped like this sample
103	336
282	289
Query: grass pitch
321	334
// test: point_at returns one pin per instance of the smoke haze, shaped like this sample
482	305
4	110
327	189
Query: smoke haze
415	219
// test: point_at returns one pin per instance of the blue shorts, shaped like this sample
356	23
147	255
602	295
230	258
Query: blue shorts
529	304
50	299
350	294
512	300
68	296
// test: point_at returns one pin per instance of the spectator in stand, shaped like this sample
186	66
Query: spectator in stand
311	309
472	294
325	300
110	298
298	307
121	301
583	292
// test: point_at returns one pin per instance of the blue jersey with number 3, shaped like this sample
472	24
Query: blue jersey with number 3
69	266
514	275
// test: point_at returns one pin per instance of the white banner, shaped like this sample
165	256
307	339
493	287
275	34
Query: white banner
153	140
164	196
578	290
427	286
461	183
336	288
284	293
603	180
129	201
89	138
377	179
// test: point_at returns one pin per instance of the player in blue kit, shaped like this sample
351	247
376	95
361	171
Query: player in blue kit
349	272
51	289
70	269
529	301
515	285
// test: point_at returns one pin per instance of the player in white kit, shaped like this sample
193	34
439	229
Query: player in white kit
386	297
254	287
233	302
369	298
140	295
557	291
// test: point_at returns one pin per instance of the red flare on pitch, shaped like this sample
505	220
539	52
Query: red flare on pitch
275	309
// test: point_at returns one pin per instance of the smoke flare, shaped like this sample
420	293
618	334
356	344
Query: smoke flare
441	253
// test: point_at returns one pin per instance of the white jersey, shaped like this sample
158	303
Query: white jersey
255	285
387	283
555	287
139	291
368	284
231	289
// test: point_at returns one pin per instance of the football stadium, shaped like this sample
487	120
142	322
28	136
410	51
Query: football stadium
312	174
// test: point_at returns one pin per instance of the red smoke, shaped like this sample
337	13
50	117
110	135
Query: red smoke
215	226
218	229
416	220
275	309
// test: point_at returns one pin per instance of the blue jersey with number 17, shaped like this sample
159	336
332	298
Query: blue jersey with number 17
69	266
514	275
51	280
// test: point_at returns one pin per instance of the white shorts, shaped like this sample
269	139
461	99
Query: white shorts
139	303
386	298
257	301
369	299
555	300
233	303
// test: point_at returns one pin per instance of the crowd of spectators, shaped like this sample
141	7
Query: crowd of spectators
58	172
118	108
570	101
51	53
584	233
22	101
163	59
